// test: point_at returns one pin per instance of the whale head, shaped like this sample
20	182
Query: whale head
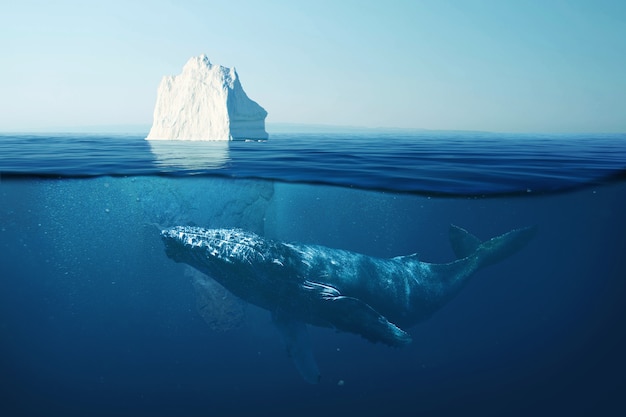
243	262
230	246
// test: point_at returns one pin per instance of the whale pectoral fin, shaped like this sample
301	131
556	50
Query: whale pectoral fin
353	315
296	337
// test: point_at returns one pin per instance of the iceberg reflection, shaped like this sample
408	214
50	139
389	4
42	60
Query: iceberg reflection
176	155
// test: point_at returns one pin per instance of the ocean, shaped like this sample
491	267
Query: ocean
96	319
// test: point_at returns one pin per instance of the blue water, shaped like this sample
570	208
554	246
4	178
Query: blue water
438	163
95	319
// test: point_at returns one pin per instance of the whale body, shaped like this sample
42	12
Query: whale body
310	284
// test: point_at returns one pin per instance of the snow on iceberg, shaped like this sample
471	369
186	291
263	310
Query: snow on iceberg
206	102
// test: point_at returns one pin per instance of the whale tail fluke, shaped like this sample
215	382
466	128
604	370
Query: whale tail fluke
463	242
489	252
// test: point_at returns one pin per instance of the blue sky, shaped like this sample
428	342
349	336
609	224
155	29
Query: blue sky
497	65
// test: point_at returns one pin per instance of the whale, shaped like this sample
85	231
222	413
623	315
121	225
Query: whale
306	284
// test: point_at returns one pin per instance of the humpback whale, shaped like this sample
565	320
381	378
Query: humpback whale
304	284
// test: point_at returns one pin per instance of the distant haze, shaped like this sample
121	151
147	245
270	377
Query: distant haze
513	66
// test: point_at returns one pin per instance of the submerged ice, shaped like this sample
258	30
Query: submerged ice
206	102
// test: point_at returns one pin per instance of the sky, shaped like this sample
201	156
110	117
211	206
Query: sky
491	65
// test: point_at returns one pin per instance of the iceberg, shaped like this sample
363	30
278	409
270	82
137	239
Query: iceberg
206	102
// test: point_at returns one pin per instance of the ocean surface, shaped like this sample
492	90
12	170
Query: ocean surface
96	319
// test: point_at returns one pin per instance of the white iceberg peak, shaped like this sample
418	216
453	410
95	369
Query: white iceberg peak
206	102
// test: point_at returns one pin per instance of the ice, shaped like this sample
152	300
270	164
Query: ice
206	102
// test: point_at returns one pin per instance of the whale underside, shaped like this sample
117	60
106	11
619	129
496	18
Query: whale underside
309	284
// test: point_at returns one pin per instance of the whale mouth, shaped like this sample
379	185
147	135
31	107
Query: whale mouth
231	245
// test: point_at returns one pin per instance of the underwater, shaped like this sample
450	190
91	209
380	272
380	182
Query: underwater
101	315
